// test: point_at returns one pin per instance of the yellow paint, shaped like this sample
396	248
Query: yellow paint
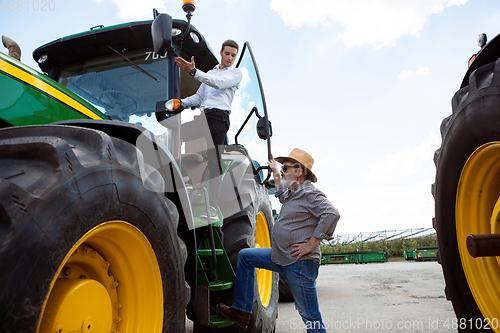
477	211
264	277
109	281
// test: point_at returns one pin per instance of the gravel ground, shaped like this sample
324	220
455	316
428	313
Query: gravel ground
400	296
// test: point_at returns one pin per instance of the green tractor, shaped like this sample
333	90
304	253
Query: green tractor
101	201
467	194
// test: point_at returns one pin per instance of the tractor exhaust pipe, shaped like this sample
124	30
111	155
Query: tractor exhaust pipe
13	47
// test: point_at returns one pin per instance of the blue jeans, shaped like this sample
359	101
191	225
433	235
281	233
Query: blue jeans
301	277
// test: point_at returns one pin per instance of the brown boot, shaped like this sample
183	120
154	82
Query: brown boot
240	318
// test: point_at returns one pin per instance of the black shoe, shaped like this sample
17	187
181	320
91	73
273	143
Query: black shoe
213	214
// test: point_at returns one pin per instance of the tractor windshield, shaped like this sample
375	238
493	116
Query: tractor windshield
124	89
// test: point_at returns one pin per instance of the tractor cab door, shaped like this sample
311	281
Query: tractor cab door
249	113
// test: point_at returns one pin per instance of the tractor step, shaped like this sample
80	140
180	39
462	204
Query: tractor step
220	285
208	252
219	321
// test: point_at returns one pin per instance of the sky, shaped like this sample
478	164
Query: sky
361	85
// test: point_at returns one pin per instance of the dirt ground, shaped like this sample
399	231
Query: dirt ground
402	296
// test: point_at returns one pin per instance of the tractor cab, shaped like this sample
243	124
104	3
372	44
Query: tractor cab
117	71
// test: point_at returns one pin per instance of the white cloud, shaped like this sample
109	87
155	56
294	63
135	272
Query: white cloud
132	10
406	75
396	192
407	162
378	23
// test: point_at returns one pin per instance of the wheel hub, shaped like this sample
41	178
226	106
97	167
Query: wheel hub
83	296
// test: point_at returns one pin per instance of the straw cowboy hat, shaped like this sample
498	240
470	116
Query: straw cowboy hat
301	157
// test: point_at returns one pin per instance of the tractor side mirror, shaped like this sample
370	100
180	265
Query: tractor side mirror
161	32
261	129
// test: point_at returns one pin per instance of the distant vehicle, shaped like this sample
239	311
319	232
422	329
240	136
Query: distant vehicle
421	253
357	257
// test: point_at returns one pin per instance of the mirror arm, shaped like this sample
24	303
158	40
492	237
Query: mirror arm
254	109
268	173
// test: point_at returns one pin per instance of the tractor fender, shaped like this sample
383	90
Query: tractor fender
154	152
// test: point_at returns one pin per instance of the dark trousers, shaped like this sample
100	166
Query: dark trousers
218	125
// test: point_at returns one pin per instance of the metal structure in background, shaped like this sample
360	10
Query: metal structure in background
386	235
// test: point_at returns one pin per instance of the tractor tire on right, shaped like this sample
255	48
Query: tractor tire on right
467	199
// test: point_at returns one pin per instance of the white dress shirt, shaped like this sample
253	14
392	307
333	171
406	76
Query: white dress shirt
217	88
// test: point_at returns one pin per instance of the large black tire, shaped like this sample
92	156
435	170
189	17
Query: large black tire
466	192
285	291
251	229
82	238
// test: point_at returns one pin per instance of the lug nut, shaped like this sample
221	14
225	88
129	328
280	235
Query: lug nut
67	271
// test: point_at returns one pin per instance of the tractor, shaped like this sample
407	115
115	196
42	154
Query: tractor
467	194
101	201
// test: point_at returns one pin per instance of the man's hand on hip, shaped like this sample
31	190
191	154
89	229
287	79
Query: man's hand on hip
302	249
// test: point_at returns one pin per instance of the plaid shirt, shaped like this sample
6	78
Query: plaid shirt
305	212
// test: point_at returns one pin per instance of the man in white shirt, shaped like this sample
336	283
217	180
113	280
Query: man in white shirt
214	96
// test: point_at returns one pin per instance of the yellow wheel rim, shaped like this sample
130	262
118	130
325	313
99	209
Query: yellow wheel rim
478	212
109	282
264	277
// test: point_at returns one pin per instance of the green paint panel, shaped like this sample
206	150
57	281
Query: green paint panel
21	104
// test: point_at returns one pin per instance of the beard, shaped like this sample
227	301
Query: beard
287	182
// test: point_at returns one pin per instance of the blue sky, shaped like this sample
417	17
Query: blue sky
362	85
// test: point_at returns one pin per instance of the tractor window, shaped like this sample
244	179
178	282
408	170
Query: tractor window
124	91
249	97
